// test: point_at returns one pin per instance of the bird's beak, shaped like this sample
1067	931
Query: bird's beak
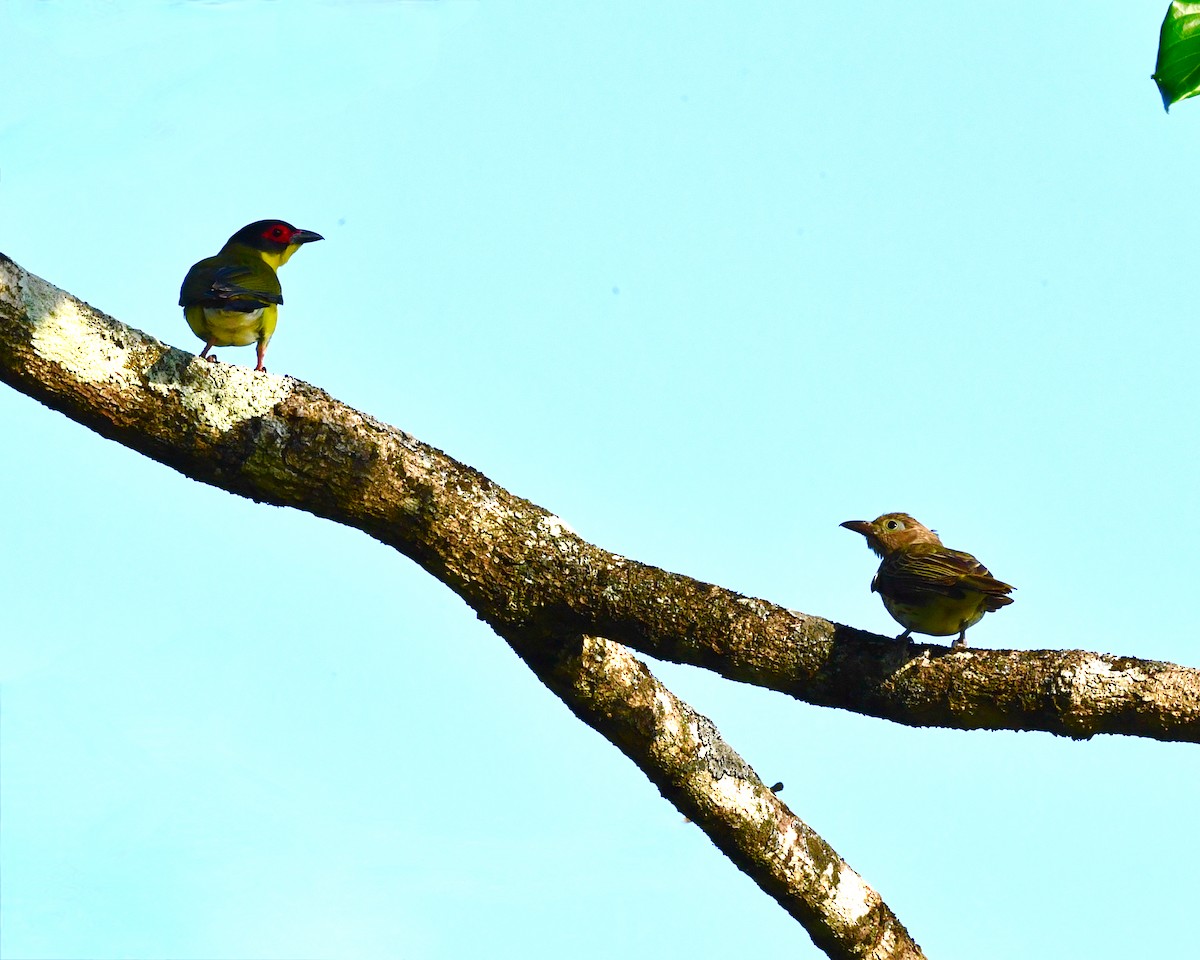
858	526
305	236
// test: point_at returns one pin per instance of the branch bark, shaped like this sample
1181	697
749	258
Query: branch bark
269	439
682	753
522	569
550	594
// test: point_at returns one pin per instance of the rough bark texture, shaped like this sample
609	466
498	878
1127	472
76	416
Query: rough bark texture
550	593
684	756
524	571
285	442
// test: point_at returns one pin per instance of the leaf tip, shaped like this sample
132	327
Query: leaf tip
1162	92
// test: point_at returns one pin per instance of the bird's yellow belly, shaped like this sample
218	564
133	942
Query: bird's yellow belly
937	616
229	328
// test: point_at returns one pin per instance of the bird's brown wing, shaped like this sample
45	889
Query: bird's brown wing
923	569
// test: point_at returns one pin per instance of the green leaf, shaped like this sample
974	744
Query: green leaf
1177	72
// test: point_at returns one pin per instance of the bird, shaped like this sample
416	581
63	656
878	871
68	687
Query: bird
927	587
233	298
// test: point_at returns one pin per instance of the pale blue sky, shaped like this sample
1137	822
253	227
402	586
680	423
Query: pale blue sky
703	279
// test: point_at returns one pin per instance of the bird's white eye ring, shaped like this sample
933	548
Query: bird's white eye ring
894	525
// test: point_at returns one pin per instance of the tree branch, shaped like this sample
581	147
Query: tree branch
682	753
522	569
535	582
221	424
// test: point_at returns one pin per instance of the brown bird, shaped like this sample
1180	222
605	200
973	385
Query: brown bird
926	587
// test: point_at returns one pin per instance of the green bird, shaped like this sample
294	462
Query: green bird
926	587
232	299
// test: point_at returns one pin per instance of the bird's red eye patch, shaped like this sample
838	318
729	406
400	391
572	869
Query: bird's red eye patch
278	232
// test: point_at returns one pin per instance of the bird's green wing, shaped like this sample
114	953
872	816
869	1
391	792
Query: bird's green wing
222	285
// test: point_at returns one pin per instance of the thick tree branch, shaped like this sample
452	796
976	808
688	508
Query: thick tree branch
82	362
522	569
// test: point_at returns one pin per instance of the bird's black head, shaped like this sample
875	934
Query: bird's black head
273	236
